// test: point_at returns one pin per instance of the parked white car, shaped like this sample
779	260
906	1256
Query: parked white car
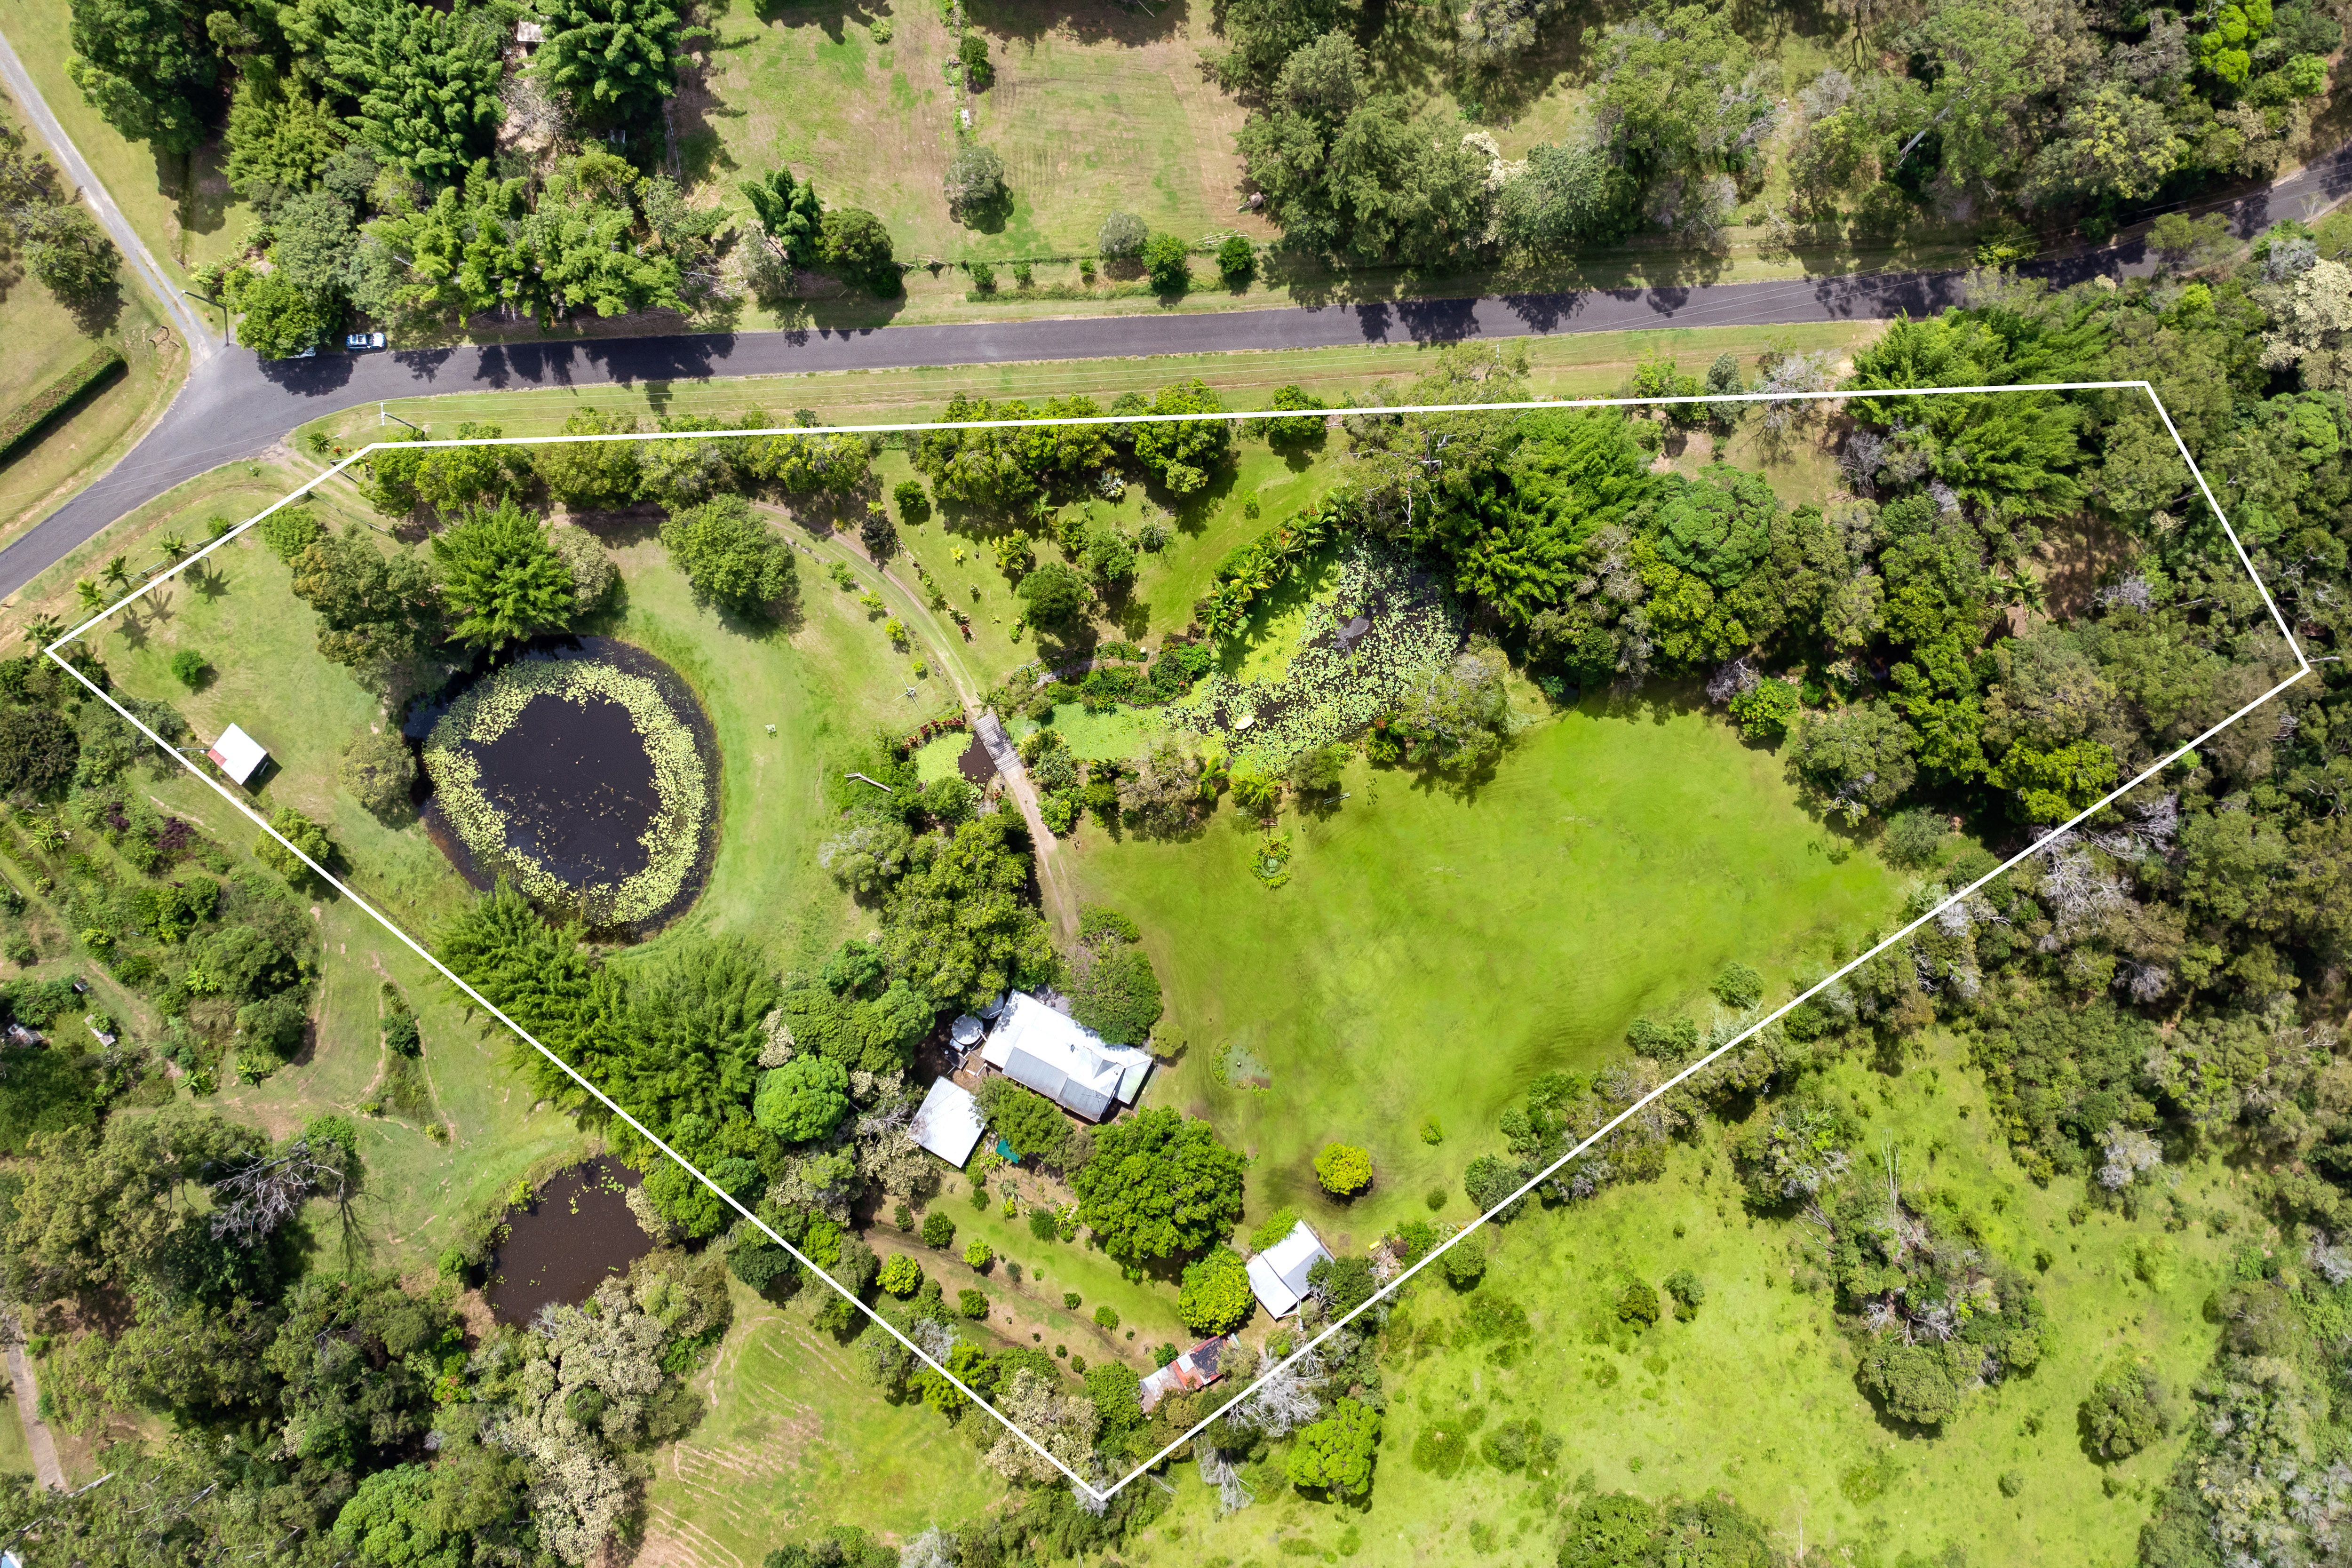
364	341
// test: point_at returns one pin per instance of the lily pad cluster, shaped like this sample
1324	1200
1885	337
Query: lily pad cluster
1386	623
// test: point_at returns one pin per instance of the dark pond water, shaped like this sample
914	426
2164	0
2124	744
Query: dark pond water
575	784
576	787
580	1233
974	763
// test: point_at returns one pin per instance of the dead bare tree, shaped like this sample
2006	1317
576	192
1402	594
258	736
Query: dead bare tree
1233	1493
262	1193
1287	1400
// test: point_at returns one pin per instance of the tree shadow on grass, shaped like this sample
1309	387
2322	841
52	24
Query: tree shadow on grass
96	314
202	203
832	15
991	215
623	526
1128	24
1463	784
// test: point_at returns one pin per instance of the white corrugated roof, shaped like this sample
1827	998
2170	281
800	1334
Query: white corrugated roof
948	1122
237	754
1279	1275
1064	1061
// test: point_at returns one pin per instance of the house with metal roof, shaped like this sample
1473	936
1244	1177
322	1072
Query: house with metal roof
1279	1275
1064	1061
947	1122
1196	1368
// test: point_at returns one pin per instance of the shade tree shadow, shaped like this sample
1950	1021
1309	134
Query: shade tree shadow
991	215
832	16
96	311
1130	24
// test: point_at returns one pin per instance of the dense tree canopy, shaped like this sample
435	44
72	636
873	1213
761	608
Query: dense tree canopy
1115	993
375	611
804	1099
732	557
1159	1184
425	80
1216	1297
1351	171
148	66
618	59
501	578
1031	1125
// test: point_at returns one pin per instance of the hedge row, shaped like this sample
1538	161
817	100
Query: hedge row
1264	564
36	410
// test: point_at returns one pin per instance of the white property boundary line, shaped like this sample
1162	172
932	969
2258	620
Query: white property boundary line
1086	1489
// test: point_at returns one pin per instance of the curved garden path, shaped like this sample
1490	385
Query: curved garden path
945	648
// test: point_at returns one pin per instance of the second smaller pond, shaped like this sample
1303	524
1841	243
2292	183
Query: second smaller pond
579	1234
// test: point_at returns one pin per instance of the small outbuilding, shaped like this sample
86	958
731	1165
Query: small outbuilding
237	754
1279	1275
1064	1061
1195	1369
947	1122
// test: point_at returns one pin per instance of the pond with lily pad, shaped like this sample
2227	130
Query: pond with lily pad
585	771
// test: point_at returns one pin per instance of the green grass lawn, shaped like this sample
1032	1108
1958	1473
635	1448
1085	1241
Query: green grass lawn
824	687
1110	110
794	1438
1030	1310
1435	948
45	340
1757	1397
235	491
14	1451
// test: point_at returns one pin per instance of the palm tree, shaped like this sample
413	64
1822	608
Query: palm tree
91	599
2023	589
173	546
43	630
118	572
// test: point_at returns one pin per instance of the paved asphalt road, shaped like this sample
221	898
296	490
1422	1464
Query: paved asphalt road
235	405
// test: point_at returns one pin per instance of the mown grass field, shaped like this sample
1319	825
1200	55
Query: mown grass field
1435	948
1089	113
1757	1397
1585	364
794	1438
45	340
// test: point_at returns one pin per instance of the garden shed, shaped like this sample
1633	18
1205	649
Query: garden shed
947	1122
1064	1061
1279	1275
237	754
